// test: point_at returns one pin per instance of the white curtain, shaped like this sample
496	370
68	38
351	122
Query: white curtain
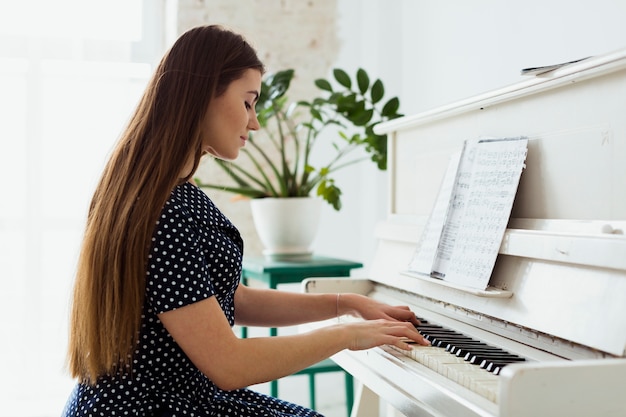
71	72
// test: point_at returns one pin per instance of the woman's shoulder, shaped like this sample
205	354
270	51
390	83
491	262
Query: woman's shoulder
189	195
189	200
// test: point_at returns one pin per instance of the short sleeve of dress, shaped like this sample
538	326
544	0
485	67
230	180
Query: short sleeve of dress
177	273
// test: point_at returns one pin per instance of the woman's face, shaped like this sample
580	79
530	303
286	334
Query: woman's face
231	116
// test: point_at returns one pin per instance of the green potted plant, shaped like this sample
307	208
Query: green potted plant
279	164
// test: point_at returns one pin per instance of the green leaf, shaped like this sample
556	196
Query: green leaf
391	107
273	87
279	83
363	117
342	77
378	91
329	192
363	80
345	104
316	114
319	101
356	110
323	84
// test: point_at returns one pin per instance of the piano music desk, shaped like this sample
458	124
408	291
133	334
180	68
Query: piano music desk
275	272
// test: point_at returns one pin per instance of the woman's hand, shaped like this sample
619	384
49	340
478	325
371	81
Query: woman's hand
370	309
371	333
384	324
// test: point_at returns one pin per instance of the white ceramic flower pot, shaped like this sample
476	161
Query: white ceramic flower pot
286	226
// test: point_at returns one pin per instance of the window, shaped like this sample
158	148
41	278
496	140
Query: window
71	72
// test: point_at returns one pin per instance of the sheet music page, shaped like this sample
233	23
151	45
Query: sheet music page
426	250
480	206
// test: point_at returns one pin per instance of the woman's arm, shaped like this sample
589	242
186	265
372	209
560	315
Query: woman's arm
204	334
272	308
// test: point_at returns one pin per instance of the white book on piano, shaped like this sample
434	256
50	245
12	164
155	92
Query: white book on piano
463	235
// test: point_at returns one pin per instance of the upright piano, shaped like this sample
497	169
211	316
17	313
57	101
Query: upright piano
554	313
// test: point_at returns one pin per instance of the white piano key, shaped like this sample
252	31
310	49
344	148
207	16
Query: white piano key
456	369
488	388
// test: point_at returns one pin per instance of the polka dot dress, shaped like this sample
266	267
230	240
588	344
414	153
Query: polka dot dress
196	253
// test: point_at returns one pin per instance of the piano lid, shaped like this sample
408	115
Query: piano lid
562	263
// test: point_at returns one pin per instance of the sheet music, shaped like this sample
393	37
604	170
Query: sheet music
477	209
426	250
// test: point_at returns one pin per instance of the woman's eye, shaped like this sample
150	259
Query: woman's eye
248	105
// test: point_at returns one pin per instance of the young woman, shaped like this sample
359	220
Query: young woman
157	288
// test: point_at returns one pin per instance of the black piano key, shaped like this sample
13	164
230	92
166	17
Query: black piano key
468	351
449	337
430	328
500	360
442	332
484	353
451	340
429	332
453	348
434	328
478	357
468	343
478	353
492	365
444	342
437	335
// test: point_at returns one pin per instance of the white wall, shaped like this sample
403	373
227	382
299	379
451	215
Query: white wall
457	48
432	53
366	34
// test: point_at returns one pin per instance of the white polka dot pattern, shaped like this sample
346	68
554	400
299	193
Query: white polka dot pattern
196	253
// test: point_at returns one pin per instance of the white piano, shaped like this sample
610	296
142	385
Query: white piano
557	295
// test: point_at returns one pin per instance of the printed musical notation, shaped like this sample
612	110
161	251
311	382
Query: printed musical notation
463	235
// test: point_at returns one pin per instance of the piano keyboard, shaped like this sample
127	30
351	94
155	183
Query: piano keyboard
462	359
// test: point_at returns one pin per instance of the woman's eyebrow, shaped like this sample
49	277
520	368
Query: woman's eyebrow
255	94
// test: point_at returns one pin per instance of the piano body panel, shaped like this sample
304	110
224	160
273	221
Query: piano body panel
337	285
564	301
550	389
573	139
555	298
573	156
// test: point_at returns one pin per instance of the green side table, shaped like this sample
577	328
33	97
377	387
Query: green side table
276	272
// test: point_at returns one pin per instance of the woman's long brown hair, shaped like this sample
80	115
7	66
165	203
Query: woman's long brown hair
144	167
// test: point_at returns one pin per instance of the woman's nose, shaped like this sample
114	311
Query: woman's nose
253	123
